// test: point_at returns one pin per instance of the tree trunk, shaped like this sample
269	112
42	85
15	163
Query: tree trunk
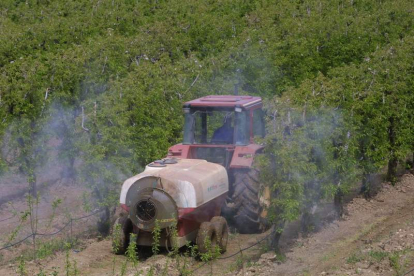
392	170
277	231
338	204
393	162
412	164
366	186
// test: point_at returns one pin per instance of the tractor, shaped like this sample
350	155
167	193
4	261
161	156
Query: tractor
205	181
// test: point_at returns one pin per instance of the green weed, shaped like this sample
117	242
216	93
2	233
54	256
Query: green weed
156	235
21	269
354	258
394	259
377	256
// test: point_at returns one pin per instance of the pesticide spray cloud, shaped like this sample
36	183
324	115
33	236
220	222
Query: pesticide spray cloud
54	150
308	160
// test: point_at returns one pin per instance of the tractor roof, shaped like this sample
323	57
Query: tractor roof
225	101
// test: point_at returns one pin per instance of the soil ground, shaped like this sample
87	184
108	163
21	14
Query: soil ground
375	237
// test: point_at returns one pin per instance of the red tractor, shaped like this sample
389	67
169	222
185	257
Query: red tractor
221	129
207	175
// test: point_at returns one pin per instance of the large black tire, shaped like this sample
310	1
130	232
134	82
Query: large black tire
121	234
222	232
244	208
206	235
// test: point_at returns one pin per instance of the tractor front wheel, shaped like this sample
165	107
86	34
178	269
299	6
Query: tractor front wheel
206	237
222	232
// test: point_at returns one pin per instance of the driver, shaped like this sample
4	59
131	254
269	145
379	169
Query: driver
224	134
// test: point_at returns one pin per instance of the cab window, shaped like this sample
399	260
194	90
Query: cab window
258	123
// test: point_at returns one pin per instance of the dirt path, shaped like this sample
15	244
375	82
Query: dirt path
375	238
97	259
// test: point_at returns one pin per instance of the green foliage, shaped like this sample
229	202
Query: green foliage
21	269
213	251
48	248
156	235
71	268
173	236
41	273
352	120
68	264
24	216
55	204
378	256
308	157
116	237
131	252
354	258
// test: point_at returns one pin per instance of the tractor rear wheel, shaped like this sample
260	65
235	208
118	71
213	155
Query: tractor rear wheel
121	232
246	206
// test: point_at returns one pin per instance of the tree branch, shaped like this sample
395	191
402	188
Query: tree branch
83	121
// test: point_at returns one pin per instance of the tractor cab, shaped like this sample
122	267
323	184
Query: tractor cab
216	125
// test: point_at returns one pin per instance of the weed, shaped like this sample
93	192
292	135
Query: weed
193	250
377	256
354	258
394	259
23	218
251	264
156	235
264	247
151	271
124	267
213	252
67	261
75	268
173	234
183	269
238	263
55	205
281	257
299	244
41	273
165	270
86	202
132	250
54	271
116	237
48	248
21	269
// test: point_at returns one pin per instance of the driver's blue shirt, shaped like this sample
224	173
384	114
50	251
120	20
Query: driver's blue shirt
223	134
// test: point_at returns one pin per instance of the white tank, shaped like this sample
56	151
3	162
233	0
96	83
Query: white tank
190	182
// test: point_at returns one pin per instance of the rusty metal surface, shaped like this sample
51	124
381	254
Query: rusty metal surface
243	156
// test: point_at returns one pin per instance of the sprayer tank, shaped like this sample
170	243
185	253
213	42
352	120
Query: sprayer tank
190	182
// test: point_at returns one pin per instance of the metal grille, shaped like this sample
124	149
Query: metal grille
146	210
